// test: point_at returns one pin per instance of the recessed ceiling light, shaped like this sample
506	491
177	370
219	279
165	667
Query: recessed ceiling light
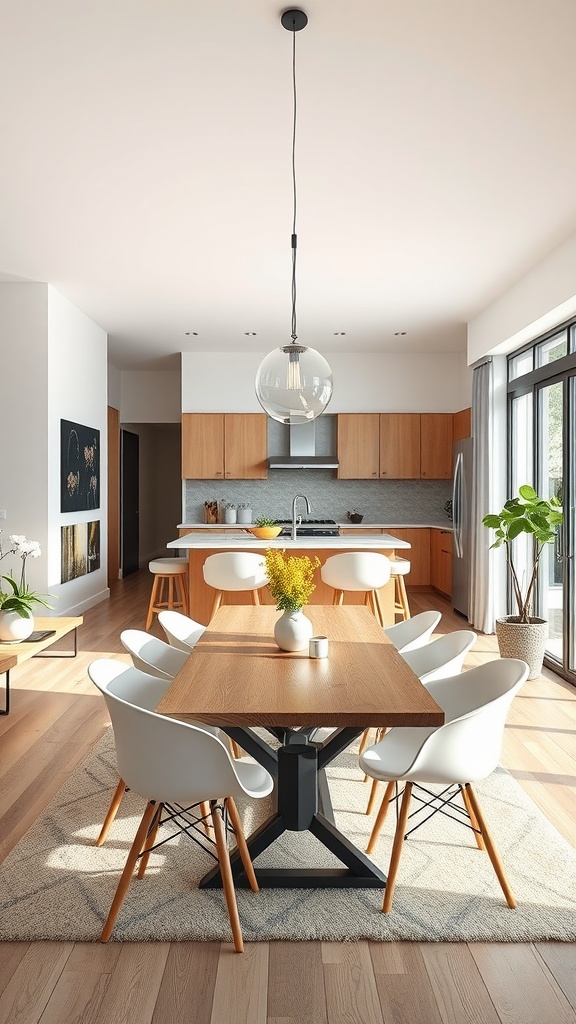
339	334
249	334
193	333
399	334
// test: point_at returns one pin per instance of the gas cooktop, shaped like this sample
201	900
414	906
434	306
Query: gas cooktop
310	528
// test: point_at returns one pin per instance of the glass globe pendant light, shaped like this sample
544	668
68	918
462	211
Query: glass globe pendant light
294	382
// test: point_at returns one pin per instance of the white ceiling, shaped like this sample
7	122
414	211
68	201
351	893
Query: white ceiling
146	165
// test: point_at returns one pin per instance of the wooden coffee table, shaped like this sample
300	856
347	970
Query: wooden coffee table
13	654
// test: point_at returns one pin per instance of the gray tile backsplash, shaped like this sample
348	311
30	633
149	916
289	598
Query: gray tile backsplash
381	501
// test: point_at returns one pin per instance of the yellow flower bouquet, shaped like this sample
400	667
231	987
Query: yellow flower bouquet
290	579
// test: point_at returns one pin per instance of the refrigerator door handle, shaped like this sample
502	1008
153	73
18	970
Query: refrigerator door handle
457	504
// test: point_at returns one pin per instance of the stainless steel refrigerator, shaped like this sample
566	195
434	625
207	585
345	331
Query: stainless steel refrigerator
461	515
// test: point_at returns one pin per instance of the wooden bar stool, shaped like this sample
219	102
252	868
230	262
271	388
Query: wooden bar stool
358	571
234	571
169	587
399	568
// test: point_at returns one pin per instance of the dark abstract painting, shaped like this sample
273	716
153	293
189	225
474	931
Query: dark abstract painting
79	467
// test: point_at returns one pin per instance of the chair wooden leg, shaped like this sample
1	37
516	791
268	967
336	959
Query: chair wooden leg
170	601
340	597
403	597
112	811
491	849
205	812
180	594
372	797
379	609
216	604
256	598
149	843
397	849
242	845
126	876
473	819
227	880
152	603
236	752
364	740
381	817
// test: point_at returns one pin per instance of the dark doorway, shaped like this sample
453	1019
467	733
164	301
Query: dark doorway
130	502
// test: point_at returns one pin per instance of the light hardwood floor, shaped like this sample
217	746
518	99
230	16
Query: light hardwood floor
57	716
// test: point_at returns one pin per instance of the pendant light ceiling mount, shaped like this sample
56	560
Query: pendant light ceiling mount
294	382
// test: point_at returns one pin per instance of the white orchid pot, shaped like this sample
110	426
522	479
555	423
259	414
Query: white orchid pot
14	628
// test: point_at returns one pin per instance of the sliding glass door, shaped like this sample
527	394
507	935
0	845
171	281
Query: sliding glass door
542	391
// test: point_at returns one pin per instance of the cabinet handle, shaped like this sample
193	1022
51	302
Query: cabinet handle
374	474
218	473
383	472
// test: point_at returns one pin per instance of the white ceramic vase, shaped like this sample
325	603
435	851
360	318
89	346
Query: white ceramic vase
244	515
229	515
14	628
292	631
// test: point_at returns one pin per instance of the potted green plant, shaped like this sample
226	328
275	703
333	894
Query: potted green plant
17	603
523	635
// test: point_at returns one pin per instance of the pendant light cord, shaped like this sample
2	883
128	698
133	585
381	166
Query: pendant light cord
294	335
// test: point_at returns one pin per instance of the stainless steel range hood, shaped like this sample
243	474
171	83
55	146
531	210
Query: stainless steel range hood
303	451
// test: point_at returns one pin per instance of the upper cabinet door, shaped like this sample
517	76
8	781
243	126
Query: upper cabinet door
436	445
246	446
359	446
400	445
202	445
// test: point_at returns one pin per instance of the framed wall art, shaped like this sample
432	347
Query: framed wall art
79	467
80	550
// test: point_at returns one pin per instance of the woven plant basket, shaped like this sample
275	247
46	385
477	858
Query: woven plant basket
524	640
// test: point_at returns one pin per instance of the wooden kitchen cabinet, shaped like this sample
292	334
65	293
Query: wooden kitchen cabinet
418	555
400	445
395	446
224	445
461	424
436	445
359	446
441	561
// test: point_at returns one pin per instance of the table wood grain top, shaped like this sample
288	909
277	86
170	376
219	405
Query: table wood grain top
236	675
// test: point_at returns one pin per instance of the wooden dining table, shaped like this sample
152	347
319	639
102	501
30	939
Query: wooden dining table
237	678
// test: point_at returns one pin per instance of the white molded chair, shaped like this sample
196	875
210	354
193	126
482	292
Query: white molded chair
414	632
462	751
152	655
442	657
234	571
147	691
181	631
437	660
358	571
399	568
172	763
169	586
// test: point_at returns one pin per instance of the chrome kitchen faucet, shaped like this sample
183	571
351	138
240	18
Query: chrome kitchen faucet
308	511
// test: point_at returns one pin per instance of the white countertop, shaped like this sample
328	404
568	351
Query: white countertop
243	540
438	524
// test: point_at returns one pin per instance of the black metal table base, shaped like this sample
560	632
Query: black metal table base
303	805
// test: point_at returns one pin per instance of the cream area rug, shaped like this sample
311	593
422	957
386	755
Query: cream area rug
56	884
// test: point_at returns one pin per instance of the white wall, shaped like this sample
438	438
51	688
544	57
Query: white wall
114	387
23	422
536	303
77	390
150	396
365	381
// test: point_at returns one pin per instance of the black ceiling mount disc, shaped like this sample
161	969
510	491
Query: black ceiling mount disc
294	19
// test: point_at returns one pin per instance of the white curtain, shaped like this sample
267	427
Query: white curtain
487	577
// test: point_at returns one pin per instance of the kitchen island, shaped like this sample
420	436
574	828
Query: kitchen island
198	546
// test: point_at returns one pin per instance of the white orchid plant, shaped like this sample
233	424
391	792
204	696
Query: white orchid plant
19	598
